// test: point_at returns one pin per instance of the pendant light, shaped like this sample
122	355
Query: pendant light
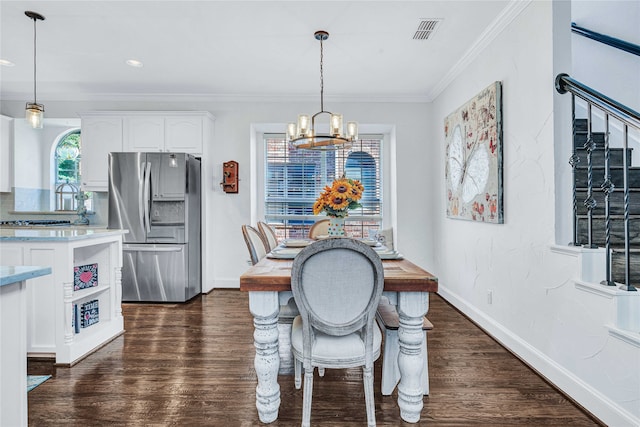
303	134
34	111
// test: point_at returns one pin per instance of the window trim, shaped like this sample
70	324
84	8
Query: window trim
257	170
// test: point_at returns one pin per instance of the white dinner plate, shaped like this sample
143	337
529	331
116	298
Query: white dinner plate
284	253
390	255
296	243
370	242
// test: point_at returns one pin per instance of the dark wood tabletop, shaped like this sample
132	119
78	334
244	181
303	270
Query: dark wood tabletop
399	276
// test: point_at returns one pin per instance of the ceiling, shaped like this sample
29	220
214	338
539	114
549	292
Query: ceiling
238	49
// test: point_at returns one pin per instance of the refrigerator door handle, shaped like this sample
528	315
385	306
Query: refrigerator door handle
143	248
146	195
143	173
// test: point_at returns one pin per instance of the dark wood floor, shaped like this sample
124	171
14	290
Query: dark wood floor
192	365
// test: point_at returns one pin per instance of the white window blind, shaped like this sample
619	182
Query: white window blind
295	178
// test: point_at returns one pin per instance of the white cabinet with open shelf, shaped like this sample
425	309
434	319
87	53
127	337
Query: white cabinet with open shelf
51	321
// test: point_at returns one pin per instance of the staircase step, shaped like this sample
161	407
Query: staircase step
618	262
616	173
580	125
617	230
579	138
597	156
616	202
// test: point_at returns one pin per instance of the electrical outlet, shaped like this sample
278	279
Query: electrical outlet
489	296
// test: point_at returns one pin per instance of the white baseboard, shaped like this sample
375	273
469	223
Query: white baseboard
220	284
591	399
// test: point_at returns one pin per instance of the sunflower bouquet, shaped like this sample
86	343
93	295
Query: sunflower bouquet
337	199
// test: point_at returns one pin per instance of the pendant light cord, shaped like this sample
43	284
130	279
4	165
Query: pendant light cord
35	101
321	78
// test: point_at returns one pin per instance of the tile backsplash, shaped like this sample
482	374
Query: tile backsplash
34	204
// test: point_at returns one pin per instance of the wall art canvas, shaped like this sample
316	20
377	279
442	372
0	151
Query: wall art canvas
473	169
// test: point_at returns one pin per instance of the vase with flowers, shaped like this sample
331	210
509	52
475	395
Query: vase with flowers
336	201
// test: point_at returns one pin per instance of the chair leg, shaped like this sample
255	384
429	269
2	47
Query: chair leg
367	379
298	372
307	395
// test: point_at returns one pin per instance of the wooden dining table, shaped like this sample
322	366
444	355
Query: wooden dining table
406	285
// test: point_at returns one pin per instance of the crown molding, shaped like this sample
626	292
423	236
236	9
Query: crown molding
501	22
217	98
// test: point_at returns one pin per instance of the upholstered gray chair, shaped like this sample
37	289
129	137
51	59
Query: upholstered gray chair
337	285
269	234
256	244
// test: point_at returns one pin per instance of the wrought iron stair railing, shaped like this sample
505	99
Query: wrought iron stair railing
608	40
596	147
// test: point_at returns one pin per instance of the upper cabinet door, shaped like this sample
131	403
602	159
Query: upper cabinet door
144	133
6	154
100	136
183	134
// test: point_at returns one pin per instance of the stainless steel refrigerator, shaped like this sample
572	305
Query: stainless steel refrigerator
156	196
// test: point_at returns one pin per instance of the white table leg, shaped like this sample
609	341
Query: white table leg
412	306
264	307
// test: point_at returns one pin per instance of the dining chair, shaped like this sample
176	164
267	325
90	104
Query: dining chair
256	244
337	285
269	234
319	228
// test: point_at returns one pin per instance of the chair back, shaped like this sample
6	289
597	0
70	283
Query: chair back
319	228
269	234
337	285
255	243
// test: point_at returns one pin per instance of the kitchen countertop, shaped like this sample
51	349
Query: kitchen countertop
56	233
13	274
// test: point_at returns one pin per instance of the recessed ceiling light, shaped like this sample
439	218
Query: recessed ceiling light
134	63
6	63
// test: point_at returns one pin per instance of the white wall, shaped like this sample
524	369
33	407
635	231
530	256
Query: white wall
32	155
536	310
604	68
30	146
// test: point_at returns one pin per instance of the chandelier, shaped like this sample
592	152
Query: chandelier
34	112
303	134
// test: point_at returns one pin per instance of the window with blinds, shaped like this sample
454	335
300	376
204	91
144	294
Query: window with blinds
295	178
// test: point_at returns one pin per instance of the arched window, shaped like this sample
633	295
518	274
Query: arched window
67	171
361	165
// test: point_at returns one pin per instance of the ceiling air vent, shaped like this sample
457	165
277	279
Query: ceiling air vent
426	28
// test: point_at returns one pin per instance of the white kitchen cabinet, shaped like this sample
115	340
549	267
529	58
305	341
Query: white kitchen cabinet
177	133
143	133
6	159
138	131
183	134
101	134
51	324
13	348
